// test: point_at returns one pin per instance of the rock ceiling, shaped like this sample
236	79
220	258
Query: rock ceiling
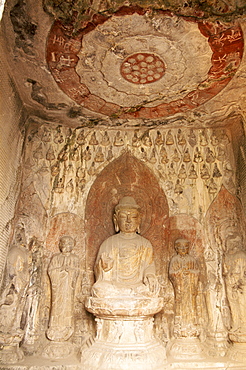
127	64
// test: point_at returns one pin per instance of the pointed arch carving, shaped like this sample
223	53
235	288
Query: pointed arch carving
126	175
224	215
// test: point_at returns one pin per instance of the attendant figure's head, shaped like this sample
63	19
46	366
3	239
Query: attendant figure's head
127	216
66	244
182	246
233	243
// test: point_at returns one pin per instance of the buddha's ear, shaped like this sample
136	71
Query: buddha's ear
116	225
138	229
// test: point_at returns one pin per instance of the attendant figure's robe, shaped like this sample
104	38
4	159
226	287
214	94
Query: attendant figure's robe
63	272
184	275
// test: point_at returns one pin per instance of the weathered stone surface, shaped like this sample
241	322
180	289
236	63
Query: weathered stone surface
202	80
99	128
125	298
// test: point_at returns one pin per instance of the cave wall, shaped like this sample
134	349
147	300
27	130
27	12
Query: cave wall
184	179
11	141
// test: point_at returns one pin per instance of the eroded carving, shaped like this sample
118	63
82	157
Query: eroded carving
125	298
184	274
13	301
63	272
124	264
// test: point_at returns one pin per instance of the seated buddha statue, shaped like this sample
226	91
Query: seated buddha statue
124	264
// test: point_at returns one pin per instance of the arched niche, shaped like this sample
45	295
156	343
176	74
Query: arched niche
225	215
126	175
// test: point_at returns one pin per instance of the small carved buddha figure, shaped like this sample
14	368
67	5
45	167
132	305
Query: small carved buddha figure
216	171
93	139
192	173
118	140
136	141
203	138
74	154
99	157
212	188
58	138
175	156
181	138
182	174
210	158
50	155
38	153
192	138
163	155
146	139
234	272
184	275
214	139
59	184
169	138
204	172
152	158
198	156
105	139
87	154
223	137
221	153
63	271
159	140
171	170
186	156
81	138
124	266
46	137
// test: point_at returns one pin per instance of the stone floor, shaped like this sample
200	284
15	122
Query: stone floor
72	363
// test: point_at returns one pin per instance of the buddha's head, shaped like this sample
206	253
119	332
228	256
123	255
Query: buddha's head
127	216
182	246
66	244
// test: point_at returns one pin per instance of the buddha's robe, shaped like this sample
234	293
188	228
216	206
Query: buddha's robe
131	259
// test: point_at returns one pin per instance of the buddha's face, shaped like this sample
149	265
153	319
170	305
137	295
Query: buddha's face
66	245
182	247
128	220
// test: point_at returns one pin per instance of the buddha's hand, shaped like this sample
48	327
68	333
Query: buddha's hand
152	282
106	262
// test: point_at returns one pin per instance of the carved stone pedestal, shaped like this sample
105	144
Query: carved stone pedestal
237	352
217	346
125	338
10	352
186	348
58	350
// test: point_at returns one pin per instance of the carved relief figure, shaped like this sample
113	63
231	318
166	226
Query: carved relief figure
32	304
234	271
13	298
63	271
124	298
184	275
125	265
12	301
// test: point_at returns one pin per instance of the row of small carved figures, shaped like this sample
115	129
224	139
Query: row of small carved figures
76	153
138	139
79	181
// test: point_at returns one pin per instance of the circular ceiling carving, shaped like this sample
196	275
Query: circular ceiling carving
132	66
142	68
